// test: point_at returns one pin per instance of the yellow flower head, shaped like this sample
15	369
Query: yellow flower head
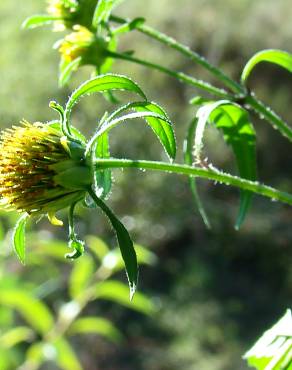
41	171
83	44
76	44
64	9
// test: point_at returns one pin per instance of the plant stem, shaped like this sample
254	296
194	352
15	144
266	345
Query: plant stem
185	50
210	174
178	75
267	113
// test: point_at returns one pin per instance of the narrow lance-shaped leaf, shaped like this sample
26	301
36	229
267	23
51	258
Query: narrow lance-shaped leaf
188	159
102	178
39	20
125	244
279	57
156	118
238	131
66	69
19	237
103	83
103	10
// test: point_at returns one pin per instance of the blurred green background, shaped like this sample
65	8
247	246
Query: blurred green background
214	291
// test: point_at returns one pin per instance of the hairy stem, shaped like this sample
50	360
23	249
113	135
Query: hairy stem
210	174
178	75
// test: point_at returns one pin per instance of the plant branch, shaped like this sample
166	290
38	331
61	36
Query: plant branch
210	174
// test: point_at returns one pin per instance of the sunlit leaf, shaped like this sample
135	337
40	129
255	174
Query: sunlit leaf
238	131
66	70
154	115
103	10
188	159
97	246
16	335
273	351
39	20
66	358
125	244
118	293
102	178
35	312
80	276
96	325
279	57
19	238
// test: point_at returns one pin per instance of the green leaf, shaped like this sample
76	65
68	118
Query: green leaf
34	311
125	244
16	335
102	178
97	246
19	238
39	20
96	325
117	292
156	118
80	276
103	10
188	159
129	26
66	358
279	57
273	351
66	69
102	83
238	131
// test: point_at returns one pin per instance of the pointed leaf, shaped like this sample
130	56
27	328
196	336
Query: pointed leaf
188	159
96	325
125	244
238	131
154	115
279	57
19	238
39	20
102	83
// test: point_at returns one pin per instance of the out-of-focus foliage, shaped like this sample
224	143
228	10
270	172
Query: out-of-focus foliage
218	290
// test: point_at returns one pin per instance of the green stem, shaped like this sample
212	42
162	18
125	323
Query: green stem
178	75
185	50
267	113
210	174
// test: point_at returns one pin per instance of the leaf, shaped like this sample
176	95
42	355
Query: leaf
34	311
102	83
39	20
80	276
154	115
96	325
66	69
125	244
279	57
103	10
129	26
117	292
238	131
102	178
19	238
188	159
16	335
66	358
273	351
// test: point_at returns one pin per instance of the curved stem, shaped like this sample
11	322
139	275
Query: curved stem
210	174
267	113
178	75
185	50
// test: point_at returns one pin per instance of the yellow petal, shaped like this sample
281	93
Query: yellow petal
53	219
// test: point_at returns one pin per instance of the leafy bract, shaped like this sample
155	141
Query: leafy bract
279	57
96	325
125	243
39	20
273	351
188	159
238	131
118	292
19	237
102	83
103	10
